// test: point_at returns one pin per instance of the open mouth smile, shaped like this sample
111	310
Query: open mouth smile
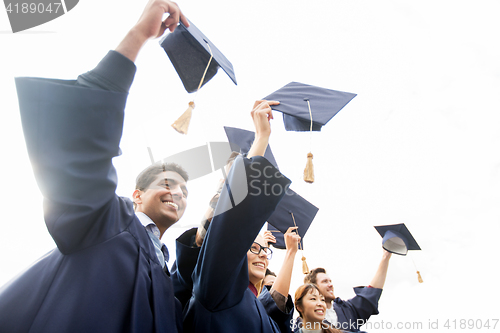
171	204
320	311
259	265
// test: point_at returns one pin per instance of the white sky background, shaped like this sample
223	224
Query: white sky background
419	144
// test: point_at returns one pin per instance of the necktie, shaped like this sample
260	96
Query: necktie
160	248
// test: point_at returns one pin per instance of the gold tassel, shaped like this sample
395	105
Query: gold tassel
181	125
305	269
419	277
309	171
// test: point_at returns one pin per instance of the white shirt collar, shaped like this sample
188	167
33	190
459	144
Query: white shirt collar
145	220
331	315
148	224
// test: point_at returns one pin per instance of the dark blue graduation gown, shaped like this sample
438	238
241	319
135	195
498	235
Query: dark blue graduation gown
283	319
183	267
104	275
221	300
358	309
187	256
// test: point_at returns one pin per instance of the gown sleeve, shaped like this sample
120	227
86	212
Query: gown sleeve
114	72
72	132
356	311
183	267
366	301
278	307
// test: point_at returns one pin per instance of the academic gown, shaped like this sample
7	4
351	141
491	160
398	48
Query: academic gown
187	256
355	312
283	319
222	301
104	275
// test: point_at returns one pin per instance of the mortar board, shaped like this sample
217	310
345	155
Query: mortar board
293	210
241	141
396	238
308	108
323	105
196	60
190	51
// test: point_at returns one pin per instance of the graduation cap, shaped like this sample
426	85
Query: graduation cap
324	105
397	239
308	108
196	60
303	212
241	140
292	211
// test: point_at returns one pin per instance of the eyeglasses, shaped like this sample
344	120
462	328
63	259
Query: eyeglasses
256	248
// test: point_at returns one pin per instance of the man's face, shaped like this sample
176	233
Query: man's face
325	286
164	201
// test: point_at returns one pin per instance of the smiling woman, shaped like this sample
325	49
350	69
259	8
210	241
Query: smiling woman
233	260
258	260
311	305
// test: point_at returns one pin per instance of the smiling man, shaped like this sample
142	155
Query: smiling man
160	199
164	199
108	272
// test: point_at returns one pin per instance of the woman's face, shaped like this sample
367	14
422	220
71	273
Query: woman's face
313	307
257	263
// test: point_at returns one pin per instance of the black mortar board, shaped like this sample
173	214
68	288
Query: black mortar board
324	103
396	238
303	211
241	141
189	51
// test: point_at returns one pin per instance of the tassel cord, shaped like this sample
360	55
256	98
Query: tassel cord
295	225
305	268
311	127
418	272
308	171
204	73
181	125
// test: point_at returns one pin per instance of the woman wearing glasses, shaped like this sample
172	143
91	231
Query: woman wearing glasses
276	299
232	261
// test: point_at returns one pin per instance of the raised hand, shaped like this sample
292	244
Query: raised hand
261	116
292	240
151	22
151	25
269	237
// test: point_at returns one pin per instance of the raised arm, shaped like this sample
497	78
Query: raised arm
151	25
72	133
378	280
261	116
282	282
